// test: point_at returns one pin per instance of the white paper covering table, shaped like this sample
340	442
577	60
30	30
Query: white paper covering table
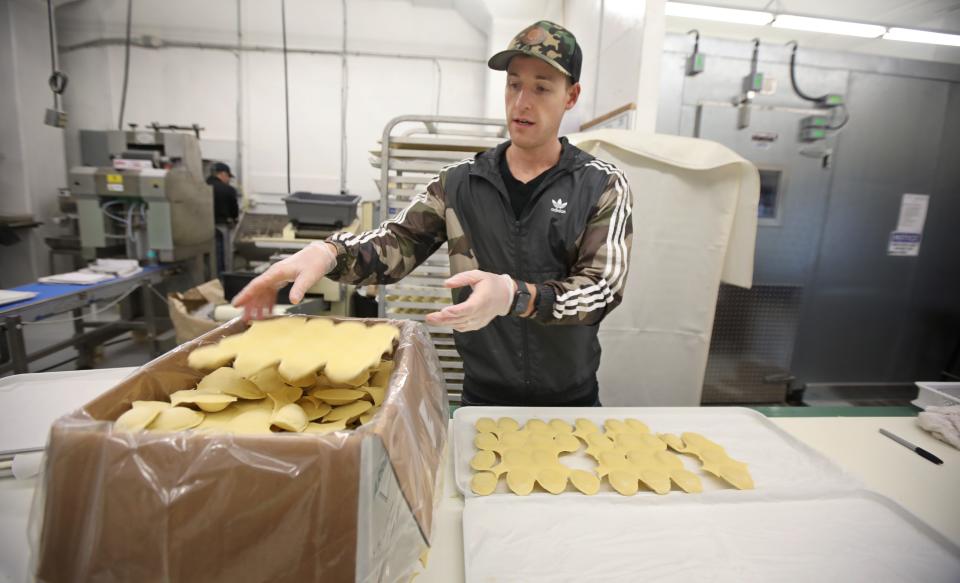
852	537
29	403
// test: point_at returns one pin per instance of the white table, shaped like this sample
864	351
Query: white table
925	489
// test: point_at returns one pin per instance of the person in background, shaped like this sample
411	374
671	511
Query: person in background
226	207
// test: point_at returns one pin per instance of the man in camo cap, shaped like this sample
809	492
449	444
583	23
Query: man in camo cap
538	233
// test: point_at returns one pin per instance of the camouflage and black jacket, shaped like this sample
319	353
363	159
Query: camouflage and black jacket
572	240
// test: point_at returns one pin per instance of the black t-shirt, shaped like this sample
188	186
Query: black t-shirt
225	205
519	192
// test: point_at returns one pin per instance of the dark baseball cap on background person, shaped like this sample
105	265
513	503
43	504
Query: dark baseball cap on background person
219	167
547	41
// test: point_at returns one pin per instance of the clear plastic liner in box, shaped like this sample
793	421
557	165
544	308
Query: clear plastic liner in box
353	505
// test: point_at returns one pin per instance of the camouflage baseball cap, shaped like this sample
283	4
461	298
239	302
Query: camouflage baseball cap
547	41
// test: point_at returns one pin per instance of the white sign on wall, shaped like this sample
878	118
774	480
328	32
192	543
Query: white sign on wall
905	240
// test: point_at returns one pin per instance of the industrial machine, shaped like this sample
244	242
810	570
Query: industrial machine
142	194
264	236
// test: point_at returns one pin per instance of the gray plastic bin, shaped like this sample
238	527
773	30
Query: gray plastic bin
336	210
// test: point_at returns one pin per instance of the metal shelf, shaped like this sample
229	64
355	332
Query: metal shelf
413	149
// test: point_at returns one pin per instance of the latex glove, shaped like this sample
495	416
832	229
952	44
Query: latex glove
492	296
304	268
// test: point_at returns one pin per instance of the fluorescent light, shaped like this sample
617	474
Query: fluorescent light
789	21
702	12
828	26
923	36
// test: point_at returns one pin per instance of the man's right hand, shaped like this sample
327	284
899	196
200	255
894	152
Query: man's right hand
304	268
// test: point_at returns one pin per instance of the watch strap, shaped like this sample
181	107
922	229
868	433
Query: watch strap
522	294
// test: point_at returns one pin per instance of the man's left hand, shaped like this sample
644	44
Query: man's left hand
492	296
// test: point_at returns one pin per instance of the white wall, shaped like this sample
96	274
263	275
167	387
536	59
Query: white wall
502	31
583	20
621	42
403	57
31	153
187	85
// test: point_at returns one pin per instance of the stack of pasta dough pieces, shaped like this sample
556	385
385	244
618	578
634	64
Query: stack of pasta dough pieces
625	454
288	374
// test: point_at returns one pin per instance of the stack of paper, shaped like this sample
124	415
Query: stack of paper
98	271
76	278
9	296
118	267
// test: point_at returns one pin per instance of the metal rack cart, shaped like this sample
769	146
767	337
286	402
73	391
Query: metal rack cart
412	152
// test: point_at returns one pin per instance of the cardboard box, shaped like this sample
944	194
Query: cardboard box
147	506
192	311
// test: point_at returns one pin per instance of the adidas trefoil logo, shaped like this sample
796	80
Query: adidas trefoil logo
559	206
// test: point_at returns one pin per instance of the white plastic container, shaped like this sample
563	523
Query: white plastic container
937	394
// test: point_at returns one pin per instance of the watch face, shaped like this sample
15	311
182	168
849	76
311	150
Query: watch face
522	301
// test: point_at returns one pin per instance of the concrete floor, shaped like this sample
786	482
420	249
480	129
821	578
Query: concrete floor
865	395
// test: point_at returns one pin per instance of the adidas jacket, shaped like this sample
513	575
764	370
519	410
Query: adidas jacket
573	241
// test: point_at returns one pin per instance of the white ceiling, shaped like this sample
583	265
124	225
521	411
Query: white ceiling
940	15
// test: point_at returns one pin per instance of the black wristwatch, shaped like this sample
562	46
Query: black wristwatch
521	299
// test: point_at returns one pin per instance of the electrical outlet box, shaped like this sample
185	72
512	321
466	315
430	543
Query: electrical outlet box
753	83
812	134
815	121
54	118
831	100
695	64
